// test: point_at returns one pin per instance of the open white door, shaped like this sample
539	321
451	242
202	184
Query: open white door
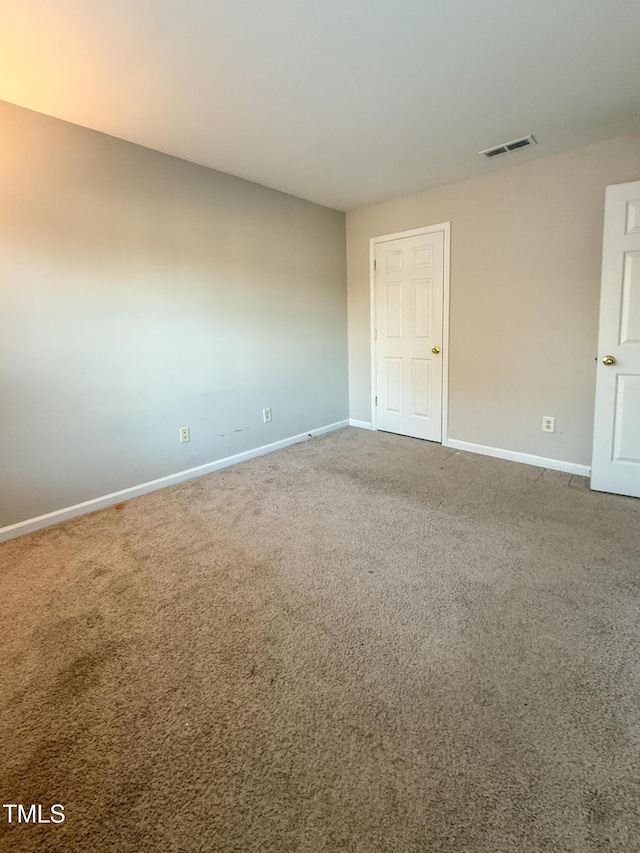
616	436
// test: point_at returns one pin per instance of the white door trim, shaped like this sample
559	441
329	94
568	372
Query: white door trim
445	227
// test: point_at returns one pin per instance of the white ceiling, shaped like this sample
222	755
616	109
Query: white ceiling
344	102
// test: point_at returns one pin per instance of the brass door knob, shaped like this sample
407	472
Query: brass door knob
608	360
435	350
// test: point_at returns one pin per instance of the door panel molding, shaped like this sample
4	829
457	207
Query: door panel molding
445	228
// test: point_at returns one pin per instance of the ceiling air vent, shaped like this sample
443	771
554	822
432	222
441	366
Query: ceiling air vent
509	146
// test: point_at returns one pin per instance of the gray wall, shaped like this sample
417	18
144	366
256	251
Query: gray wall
526	248
140	294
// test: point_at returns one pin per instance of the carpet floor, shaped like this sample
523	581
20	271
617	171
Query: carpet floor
359	643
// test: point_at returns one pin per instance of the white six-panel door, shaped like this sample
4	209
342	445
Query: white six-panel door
408	339
616	440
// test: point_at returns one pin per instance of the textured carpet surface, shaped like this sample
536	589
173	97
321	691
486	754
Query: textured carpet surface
360	643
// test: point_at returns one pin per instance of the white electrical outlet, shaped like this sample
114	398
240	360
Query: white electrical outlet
266	415
185	435
548	424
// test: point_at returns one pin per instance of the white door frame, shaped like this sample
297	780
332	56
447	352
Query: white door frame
445	227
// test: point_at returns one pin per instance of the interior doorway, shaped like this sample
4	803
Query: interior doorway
409	332
616	435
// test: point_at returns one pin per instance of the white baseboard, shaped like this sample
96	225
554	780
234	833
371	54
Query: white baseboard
526	458
360	424
58	515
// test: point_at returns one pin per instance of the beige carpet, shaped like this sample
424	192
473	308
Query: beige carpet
360	643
